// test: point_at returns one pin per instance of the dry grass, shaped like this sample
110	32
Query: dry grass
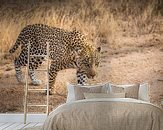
101	21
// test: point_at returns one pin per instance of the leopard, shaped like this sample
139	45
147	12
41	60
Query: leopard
68	49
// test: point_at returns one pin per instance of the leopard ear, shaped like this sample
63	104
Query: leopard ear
74	29
98	49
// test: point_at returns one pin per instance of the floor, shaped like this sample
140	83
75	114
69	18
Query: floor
15	121
18	126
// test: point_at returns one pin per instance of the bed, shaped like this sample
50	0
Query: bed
96	113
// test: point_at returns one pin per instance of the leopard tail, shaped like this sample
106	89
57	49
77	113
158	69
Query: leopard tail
15	46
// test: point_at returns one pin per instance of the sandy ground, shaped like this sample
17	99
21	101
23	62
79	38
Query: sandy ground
135	60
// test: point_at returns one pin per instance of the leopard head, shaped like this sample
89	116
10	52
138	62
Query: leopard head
86	57
88	64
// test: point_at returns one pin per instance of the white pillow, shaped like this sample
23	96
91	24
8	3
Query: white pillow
71	92
131	90
144	92
104	95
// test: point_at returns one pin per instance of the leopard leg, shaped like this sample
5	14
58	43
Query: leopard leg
33	78
81	78
34	62
18	71
52	76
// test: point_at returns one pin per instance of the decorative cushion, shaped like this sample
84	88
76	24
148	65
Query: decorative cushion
131	91
144	92
79	91
76	92
104	95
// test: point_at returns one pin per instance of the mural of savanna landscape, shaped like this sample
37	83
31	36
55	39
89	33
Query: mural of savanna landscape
130	33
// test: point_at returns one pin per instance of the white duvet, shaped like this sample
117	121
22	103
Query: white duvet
105	114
